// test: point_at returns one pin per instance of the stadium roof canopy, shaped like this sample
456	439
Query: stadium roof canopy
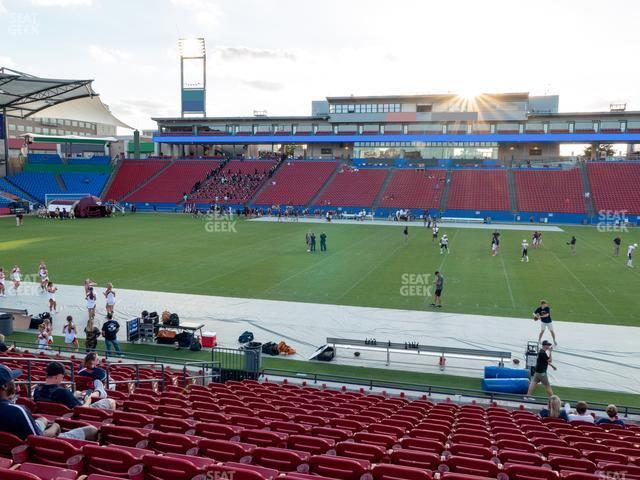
23	95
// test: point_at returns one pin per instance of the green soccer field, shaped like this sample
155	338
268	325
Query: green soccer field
364	265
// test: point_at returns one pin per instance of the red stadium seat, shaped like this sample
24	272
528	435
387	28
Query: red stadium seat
216	431
280	459
339	468
264	438
224	450
362	451
471	451
572	464
50	451
415	458
423	444
167	468
32	471
335	434
386	441
131	419
7	443
472	466
398	472
528	472
161	442
108	461
119	435
521	458
313	445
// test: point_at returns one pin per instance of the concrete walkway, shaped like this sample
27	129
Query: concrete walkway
589	356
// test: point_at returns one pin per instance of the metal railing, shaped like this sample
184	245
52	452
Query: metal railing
459	393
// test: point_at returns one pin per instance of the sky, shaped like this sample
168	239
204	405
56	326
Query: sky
279	55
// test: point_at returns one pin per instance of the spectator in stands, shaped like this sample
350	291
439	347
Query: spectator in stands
554	409
53	391
581	414
543	362
110	333
611	418
91	370
3	346
17	419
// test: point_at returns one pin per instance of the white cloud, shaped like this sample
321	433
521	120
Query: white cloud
108	55
240	53
7	62
205	13
62	3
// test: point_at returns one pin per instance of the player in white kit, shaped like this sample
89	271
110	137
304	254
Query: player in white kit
630	251
444	244
525	251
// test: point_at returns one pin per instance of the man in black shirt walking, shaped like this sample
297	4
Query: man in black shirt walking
540	373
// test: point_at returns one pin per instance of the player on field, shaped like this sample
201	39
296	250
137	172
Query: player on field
495	243
616	245
405	232
434	232
630	250
543	313
572	243
534	239
525	251
439	284
444	244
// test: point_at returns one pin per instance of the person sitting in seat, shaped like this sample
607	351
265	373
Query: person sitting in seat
554	409
611	418
52	391
91	369
17	419
581	414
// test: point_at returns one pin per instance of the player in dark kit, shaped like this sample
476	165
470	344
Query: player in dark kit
405	232
323	242
572	243
543	313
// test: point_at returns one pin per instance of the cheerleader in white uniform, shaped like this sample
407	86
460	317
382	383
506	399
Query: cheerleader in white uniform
91	303
51	293
44	276
110	295
15	277
2	290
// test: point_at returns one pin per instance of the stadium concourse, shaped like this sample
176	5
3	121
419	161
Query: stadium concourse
588	354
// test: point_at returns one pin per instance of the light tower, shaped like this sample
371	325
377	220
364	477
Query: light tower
193	76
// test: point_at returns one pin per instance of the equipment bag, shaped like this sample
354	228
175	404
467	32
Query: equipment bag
270	348
327	355
174	320
246	337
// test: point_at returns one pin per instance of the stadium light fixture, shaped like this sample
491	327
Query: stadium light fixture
191	47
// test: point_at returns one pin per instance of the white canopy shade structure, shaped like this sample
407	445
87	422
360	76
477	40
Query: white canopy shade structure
23	95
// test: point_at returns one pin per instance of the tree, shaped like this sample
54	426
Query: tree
604	147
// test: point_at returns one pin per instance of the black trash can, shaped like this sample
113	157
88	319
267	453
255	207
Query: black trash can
6	323
253	357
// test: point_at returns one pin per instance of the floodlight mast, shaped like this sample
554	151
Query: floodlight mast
193	49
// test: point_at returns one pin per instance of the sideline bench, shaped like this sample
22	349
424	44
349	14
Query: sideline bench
418	349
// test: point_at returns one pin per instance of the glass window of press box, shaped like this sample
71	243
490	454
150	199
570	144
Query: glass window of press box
364	108
426	150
